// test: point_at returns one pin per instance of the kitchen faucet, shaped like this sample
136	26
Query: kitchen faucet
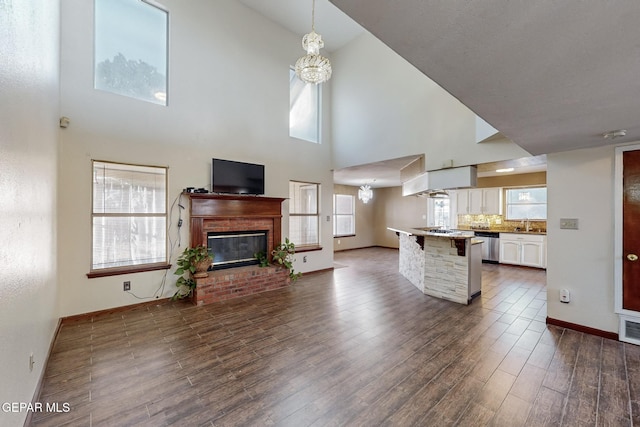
527	226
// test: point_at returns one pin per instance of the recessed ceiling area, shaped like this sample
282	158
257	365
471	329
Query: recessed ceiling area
387	173
378	175
523	165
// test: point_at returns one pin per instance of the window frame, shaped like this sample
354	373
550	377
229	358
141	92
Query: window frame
131	268
432	216
318	109
352	215
507	204
158	100
312	246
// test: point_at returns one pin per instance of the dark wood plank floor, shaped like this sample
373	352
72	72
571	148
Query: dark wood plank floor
355	346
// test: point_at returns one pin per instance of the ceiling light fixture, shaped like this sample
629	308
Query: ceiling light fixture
313	67
504	170
365	193
615	134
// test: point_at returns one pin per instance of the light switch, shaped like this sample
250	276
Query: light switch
569	223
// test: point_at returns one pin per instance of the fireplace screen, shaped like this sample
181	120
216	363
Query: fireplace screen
236	248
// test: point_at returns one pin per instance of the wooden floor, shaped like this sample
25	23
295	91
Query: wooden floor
355	346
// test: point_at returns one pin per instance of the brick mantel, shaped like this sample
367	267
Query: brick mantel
220	213
215	212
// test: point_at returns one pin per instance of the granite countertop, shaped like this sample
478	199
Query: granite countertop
493	230
432	231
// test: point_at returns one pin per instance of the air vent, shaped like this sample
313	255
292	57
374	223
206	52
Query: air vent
630	330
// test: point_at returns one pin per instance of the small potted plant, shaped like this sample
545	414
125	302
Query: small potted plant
194	261
283	255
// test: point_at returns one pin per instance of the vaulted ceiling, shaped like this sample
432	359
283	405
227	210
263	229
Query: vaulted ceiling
550	75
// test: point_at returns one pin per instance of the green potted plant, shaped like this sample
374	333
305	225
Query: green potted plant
283	255
195	262
185	285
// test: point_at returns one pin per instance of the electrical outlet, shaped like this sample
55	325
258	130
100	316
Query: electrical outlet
304	258
126	286
31	362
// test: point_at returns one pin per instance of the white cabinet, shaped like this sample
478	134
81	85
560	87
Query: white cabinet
462	202
476	201
523	249
492	198
479	201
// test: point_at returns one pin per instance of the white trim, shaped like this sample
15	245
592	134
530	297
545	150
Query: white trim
156	5
617	226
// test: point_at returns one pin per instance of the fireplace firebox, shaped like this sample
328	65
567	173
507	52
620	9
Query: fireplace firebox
236	248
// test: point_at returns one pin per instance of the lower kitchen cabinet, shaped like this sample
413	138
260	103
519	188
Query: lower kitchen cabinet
523	249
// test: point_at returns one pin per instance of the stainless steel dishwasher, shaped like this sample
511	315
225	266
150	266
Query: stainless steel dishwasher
490	247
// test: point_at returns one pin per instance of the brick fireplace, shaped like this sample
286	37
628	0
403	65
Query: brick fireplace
213	214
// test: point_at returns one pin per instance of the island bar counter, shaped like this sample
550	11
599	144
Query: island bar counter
443	265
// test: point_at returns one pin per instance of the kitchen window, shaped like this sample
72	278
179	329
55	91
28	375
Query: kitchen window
129	218
439	212
304	109
344	219
526	203
304	216
131	49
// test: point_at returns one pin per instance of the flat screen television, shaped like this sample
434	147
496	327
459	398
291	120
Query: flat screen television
228	176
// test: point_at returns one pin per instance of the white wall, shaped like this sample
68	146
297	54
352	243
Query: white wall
397	210
28	154
228	98
384	108
580	185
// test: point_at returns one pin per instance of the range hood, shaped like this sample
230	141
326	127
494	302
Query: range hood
432	183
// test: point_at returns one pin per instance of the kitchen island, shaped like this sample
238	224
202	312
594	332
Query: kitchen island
442	263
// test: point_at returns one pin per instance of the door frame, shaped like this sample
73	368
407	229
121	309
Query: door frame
617	245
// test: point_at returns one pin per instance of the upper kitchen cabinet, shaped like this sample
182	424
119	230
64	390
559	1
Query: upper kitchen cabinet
462	202
479	201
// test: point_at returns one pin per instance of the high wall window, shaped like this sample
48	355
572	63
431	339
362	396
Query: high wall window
129	216
344	219
131	39
304	217
526	203
304	109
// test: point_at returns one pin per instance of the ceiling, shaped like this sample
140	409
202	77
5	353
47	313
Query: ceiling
336	28
377	175
549	75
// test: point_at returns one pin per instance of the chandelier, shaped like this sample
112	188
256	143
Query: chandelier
365	193
313	67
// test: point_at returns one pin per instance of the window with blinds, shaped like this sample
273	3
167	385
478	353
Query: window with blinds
344	218
304	217
129	216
